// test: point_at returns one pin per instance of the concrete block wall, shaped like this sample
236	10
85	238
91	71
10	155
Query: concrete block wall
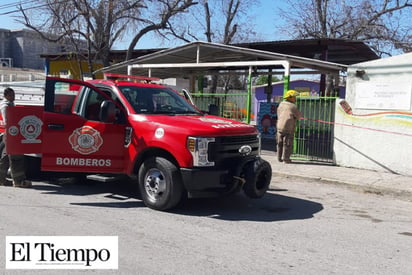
4	44
24	48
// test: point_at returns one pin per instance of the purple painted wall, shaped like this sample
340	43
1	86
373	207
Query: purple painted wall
277	90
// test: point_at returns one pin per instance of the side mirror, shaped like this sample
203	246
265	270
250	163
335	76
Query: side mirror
188	97
107	111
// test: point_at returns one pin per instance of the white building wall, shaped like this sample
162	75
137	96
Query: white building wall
378	133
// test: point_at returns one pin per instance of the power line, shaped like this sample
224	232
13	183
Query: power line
20	3
13	5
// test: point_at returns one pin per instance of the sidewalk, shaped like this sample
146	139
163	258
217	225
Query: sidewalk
382	183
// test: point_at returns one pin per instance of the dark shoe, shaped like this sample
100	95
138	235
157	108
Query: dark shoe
22	184
280	160
288	161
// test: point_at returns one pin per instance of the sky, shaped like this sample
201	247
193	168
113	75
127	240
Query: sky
264	18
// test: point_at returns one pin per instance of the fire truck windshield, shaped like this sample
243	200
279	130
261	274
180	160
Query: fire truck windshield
152	100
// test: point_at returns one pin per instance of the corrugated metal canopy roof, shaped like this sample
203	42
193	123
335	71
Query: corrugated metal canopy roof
211	58
340	51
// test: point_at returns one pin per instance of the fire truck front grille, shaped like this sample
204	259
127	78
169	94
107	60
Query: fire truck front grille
226	150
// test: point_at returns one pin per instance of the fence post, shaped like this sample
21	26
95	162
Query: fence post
249	95
286	79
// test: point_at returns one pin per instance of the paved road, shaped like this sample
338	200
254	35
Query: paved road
299	227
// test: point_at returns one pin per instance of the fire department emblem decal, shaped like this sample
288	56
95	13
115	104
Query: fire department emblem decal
30	129
85	140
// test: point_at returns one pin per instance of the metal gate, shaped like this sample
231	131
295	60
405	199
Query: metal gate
314	133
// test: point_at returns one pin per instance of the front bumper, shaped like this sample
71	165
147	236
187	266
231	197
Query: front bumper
209	183
212	181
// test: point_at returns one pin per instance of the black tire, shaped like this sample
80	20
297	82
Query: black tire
258	175
160	183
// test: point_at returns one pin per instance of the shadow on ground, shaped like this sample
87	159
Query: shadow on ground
274	206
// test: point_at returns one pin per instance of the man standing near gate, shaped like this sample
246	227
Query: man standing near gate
287	113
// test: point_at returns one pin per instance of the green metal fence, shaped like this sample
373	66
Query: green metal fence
231	105
314	133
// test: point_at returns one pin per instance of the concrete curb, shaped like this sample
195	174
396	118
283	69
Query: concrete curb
366	188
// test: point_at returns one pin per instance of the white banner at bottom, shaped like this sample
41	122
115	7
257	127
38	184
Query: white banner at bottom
62	252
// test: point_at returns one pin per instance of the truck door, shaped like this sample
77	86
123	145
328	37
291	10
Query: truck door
24	129
74	137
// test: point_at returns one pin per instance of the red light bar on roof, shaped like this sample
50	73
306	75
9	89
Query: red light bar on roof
113	76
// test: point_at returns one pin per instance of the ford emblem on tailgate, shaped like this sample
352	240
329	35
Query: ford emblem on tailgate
245	150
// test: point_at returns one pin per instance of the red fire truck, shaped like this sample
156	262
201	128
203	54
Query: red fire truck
148	132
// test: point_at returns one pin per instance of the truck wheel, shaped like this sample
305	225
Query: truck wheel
160	183
258	175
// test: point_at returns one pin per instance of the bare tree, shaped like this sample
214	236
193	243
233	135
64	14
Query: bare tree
99	23
220	21
157	18
81	25
383	24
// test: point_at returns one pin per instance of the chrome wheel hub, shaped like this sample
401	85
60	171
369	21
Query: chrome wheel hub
155	183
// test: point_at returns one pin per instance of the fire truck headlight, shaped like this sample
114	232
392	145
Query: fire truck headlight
198	147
